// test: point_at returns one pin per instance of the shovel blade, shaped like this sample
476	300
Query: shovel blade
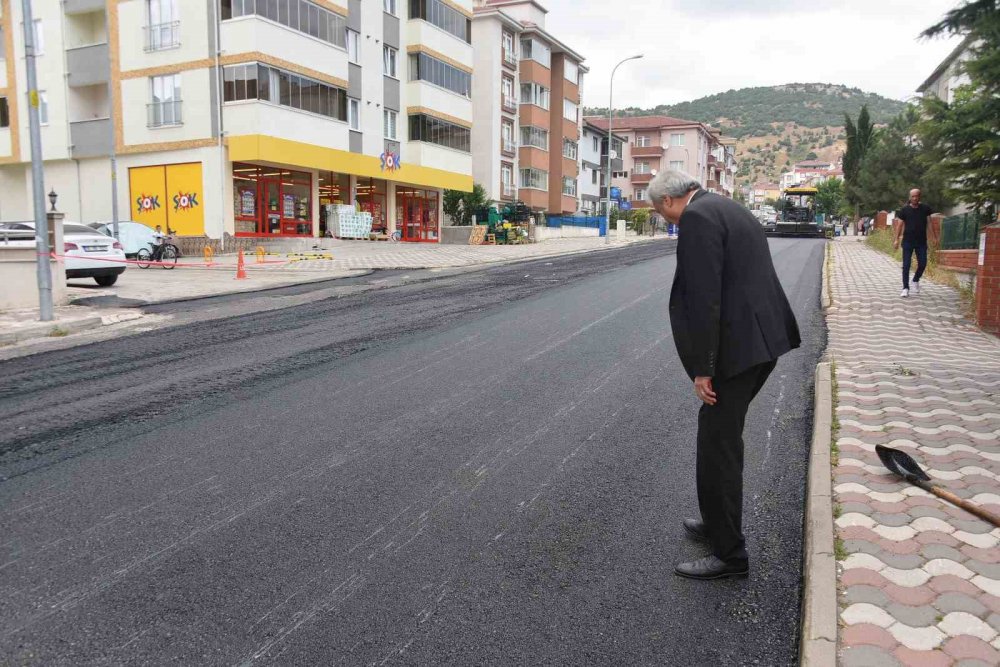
900	463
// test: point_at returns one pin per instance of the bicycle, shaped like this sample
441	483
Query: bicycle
166	256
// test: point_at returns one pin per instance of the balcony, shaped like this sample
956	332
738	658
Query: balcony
87	65
509	147
713	185
164	114
91	138
162	36
647	151
638	179
510	59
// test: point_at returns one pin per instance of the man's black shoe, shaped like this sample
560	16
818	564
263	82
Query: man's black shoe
711	567
695	530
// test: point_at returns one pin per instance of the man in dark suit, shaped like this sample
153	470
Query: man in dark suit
731	321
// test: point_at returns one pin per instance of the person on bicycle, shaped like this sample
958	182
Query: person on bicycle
160	240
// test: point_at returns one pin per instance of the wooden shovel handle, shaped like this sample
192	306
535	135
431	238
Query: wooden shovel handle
966	505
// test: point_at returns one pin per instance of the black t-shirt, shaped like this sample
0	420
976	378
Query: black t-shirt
915	223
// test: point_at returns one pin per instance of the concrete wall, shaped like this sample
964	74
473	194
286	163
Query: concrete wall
456	235
567	232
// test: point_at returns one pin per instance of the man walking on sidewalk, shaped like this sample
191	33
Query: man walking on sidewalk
913	217
731	322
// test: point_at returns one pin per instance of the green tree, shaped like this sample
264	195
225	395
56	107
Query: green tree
893	166
830	196
962	137
461	206
860	137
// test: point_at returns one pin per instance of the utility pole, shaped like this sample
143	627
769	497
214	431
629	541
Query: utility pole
114	145
611	122
37	177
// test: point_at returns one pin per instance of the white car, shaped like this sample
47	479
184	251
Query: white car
86	253
134	236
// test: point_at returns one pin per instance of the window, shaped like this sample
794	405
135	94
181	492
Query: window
619	174
571	71
509	56
569	186
39	38
677	165
641	167
569	110
389	124
569	148
507	90
642	141
507	178
4	113
677	139
389	6
299	15
389	61
165	108
640	194
507	142
593	177
354	113
43	107
436	131
353	51
597	145
262	82
533	93
426	68
162	25
535	179
535	136
532	49
443	16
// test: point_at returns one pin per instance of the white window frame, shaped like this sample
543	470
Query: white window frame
642	141
390	7
569	183
508	138
640	194
532	173
677	165
507	184
677	139
571	110
162	24
353	45
641	167
567	142
354	113
597	145
509	48
537	95
39	38
390	124
570	66
390	62
534	132
175	96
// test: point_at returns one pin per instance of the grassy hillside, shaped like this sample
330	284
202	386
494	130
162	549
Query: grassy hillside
778	125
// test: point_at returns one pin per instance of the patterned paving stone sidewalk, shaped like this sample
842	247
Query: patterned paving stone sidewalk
920	584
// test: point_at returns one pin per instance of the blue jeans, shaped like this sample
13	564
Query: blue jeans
908	250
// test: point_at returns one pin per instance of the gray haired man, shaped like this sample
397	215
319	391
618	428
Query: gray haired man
731	321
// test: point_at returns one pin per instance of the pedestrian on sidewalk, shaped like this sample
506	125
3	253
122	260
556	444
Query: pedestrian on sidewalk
731	321
912	227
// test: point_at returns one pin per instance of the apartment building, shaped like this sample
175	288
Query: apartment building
527	99
245	117
810	172
593	167
661	142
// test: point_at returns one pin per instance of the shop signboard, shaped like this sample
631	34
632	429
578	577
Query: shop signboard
169	196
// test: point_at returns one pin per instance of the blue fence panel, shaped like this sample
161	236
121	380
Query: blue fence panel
574	221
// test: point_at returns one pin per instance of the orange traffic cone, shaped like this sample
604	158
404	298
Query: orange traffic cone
241	270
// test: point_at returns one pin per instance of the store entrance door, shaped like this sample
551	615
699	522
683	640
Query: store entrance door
270	194
418	221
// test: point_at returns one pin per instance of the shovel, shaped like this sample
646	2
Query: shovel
903	465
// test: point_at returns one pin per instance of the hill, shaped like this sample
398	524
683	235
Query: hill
778	125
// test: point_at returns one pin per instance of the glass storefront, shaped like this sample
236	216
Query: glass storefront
371	197
417	214
334	189
270	201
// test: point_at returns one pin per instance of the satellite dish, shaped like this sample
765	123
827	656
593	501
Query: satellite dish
614	155
652	172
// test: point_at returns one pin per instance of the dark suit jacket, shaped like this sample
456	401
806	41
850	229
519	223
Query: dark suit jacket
727	309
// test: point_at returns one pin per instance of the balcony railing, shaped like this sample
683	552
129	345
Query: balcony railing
510	58
162	36
641	178
509	104
647	151
163	114
509	146
508	190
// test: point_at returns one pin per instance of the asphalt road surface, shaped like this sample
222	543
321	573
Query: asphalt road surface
488	468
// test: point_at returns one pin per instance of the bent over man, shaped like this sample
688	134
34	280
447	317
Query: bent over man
731	321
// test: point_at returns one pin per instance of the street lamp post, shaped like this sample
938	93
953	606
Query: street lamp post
611	123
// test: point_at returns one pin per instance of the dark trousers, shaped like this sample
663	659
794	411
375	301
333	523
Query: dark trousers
908	250
720	460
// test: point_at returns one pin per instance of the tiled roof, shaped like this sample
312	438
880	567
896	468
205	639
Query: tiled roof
640	122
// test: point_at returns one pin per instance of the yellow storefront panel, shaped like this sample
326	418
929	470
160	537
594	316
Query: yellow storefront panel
184	199
148	189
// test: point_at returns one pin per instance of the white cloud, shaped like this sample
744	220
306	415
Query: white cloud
694	48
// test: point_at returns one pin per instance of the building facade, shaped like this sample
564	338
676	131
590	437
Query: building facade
245	117
810	172
653	143
527	100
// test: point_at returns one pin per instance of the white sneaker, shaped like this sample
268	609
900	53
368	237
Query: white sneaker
905	293
916	288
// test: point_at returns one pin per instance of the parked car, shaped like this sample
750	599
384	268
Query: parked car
134	236
87	253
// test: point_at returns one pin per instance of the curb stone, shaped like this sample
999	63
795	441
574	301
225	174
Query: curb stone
44	329
819	603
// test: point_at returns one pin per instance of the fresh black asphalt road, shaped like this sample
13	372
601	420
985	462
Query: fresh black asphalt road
488	468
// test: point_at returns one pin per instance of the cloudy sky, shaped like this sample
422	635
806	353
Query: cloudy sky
699	47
